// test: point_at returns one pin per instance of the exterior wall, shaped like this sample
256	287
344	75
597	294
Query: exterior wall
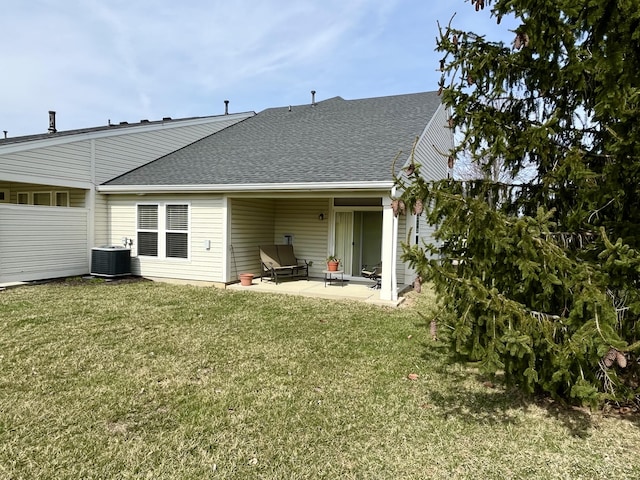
117	155
88	159
101	221
64	165
42	242
436	140
262	221
434	145
76	196
252	223
299	217
206	224
402	272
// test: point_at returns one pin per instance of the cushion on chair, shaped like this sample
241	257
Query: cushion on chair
286	255
269	256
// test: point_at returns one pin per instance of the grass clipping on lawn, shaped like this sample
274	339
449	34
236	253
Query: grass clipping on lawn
146	380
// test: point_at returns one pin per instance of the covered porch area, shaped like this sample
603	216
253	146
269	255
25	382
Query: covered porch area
358	227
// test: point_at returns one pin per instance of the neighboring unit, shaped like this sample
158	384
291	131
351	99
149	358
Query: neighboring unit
51	214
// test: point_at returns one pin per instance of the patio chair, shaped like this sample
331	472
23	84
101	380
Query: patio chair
374	274
281	261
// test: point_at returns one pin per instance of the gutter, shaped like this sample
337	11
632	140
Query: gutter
245	187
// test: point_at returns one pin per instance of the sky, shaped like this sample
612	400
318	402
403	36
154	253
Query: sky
95	61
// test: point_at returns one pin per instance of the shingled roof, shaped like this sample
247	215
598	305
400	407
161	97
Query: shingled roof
335	140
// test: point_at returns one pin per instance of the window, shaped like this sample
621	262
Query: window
4	195
42	198
62	199
148	230
163	230
177	236
57	199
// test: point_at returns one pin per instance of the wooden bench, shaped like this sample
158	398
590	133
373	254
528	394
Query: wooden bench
280	261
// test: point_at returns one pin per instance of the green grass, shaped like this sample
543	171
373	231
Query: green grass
146	380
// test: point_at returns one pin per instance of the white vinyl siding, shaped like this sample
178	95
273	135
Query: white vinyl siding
117	155
252	224
42	242
432	149
205	230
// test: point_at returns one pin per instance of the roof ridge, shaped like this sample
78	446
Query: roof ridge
109	126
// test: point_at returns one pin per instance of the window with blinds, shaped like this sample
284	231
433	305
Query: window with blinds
177	231
148	230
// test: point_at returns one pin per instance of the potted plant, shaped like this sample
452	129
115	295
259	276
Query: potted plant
332	263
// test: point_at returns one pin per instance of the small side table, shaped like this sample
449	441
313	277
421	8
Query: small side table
331	275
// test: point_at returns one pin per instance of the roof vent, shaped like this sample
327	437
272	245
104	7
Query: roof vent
5	133
226	107
52	122
313	98
124	123
144	121
165	119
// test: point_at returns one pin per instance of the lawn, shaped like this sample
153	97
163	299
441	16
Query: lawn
147	380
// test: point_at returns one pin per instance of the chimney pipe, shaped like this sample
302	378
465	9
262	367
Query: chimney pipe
226	107
313	98
52	122
5	133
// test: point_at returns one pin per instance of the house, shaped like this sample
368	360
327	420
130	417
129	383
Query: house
318	176
51	213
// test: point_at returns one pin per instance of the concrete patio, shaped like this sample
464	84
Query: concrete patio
353	289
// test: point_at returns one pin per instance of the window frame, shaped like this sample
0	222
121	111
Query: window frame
37	194
55	198
147	230
19	194
173	231
162	230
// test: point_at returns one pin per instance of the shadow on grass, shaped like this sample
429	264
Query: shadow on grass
476	398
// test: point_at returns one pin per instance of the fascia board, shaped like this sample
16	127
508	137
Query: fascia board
253	188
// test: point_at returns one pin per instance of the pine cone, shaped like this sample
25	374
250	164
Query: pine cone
402	208
418	208
621	359
610	357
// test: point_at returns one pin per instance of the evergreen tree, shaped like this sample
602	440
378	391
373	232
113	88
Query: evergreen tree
539	278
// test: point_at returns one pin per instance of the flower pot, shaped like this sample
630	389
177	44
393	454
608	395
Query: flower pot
332	266
246	279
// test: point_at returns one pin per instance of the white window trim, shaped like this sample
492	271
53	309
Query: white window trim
162	231
29	198
138	230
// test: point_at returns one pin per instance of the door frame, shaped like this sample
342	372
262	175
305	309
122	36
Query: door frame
332	229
